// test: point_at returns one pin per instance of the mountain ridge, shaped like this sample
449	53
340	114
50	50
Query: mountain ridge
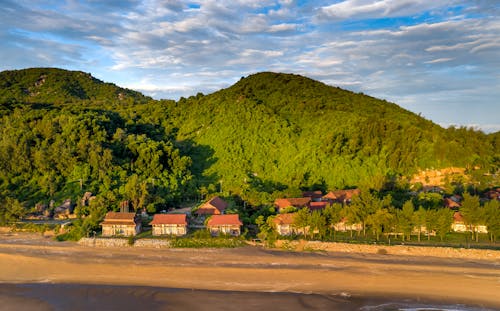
268	135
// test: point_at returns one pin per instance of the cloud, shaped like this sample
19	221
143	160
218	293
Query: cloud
359	9
411	52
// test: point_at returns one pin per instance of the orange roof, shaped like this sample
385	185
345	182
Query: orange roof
284	219
213	206
295	202
111	216
317	205
451	204
114	222
342	195
457	217
221	220
169	219
312	194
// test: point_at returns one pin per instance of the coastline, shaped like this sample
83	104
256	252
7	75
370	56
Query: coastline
254	270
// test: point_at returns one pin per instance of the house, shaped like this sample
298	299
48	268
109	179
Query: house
169	224
343	225
341	196
125	224
451	204
493	194
214	206
318	206
459	225
282	204
314	195
224	224
284	224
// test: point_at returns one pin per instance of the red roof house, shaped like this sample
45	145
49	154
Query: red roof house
314	195
169	224
451	204
126	224
341	196
225	224
284	224
317	206
282	204
214	206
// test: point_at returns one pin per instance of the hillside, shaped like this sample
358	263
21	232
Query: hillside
57	86
64	132
272	133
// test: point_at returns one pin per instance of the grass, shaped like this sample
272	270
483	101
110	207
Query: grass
452	239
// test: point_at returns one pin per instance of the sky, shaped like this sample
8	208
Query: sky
439	58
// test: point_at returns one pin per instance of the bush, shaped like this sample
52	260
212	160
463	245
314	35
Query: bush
131	240
216	242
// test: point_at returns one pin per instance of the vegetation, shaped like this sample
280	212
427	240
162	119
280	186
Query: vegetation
382	222
64	133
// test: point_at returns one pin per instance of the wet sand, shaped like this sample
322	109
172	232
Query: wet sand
42	272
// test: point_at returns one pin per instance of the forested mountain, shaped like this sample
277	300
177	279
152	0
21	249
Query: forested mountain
63	133
281	132
66	135
56	86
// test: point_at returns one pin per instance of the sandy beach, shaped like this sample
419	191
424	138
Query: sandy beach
30	265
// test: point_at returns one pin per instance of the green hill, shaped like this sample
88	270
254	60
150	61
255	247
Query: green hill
57	86
281	132
64	132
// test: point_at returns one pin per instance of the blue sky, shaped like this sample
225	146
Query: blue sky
440	58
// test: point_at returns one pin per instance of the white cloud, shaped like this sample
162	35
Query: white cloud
358	9
178	48
439	60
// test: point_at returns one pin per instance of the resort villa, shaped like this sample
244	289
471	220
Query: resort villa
124	224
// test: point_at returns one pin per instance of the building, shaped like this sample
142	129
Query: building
169	224
124	224
314	195
459	225
284	224
214	206
318	206
341	196
344	225
283	204
451	204
224	224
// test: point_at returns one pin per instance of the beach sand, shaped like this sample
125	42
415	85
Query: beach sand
41	272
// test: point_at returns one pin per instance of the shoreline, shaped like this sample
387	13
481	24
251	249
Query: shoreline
112	297
252	269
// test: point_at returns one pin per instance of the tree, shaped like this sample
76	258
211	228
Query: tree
444	219
405	219
365	205
12	210
333	214
419	220
267	230
302	220
317	223
380	221
471	213
491	217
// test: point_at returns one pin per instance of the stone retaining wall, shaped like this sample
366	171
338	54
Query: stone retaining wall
444	252
124	242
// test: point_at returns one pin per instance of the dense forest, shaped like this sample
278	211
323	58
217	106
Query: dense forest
63	133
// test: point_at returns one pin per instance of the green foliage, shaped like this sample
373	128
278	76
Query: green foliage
11	210
207	241
405	219
270	135
267	230
491	218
